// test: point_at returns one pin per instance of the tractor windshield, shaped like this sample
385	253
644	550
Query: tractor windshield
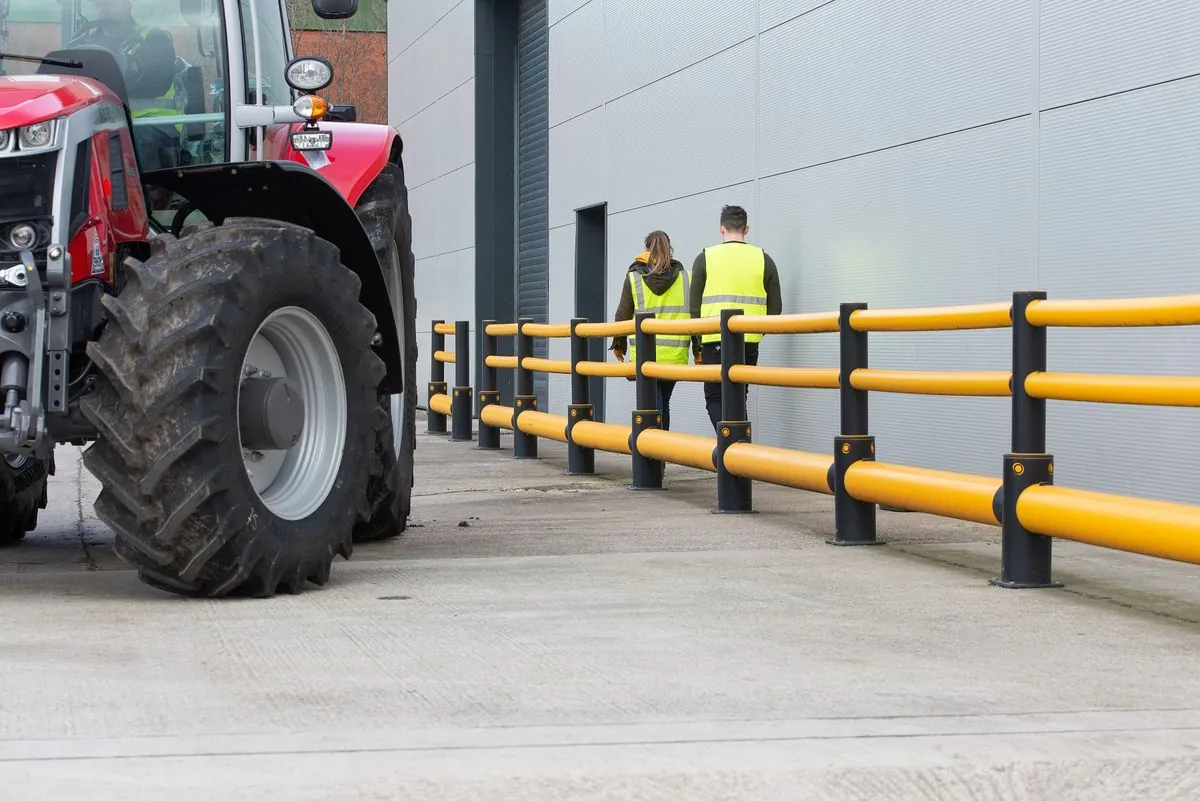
170	52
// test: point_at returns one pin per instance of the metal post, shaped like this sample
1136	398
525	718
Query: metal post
734	493
647	472
489	436
524	445
461	402
580	460
854	519
436	423
1025	557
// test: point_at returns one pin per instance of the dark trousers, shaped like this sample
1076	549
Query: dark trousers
665	388
710	353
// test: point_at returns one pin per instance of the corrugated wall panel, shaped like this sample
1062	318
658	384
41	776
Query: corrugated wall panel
533	161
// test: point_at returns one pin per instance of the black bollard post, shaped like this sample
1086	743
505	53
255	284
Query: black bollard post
580	460
462	403
524	445
854	519
647	472
435	422
734	493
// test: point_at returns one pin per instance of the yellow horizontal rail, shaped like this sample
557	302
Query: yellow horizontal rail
1154	528
607	369
439	403
682	372
624	328
546	426
782	466
815	323
501	362
443	356
676	448
602	436
496	416
548	330
936	318
801	377
957	495
933	382
1147	390
1117	312
691	327
540	365
444	328
501	329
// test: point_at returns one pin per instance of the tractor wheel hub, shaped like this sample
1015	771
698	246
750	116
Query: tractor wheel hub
270	414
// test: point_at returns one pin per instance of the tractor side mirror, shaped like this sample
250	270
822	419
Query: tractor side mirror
335	9
338	113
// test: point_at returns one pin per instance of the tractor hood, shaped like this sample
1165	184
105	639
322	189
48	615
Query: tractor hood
26	99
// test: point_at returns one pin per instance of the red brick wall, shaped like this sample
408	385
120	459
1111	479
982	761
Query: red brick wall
359	68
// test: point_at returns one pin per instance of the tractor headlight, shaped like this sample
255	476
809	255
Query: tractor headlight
37	136
309	74
22	236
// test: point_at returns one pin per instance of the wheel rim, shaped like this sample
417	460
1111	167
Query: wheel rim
292	343
396	291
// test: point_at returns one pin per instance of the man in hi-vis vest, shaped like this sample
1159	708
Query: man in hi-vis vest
732	275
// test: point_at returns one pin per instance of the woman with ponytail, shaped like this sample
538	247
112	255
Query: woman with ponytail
656	282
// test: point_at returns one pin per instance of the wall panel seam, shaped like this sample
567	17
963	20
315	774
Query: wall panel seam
1153	84
435	102
425	32
685	67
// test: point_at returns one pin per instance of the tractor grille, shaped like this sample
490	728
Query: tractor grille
26	195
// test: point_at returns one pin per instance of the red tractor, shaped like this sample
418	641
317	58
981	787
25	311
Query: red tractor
207	274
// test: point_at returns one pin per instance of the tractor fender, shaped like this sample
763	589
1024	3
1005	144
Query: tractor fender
358	154
292	192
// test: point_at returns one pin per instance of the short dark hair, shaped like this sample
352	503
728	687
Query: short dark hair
734	218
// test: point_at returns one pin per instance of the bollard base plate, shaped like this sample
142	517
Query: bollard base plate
642	489
733	511
849	543
1021	585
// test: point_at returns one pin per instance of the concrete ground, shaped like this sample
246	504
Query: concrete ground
540	636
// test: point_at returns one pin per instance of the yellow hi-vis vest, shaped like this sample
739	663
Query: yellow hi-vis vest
733	280
671	305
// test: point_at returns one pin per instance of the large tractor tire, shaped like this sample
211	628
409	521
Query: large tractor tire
237	410
22	494
383	210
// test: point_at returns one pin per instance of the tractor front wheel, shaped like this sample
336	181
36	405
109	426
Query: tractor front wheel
236	410
22	494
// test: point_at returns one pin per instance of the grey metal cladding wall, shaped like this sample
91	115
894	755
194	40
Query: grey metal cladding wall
859	75
1096	47
1120	201
533	159
942	221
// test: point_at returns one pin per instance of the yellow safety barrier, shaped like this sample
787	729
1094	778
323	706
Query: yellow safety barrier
607	369
1119	312
1154	528
682	372
957	495
817	323
540	424
693	327
927	382
783	466
548	330
602	436
443	328
799	377
624	328
539	365
497	416
939	318
501	362
685	449
1026	504
440	403
501	330
1145	390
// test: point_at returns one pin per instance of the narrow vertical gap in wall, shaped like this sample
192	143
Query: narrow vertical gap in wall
591	259
495	185
532	155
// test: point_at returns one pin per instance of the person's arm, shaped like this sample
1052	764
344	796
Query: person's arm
624	312
771	285
697	297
